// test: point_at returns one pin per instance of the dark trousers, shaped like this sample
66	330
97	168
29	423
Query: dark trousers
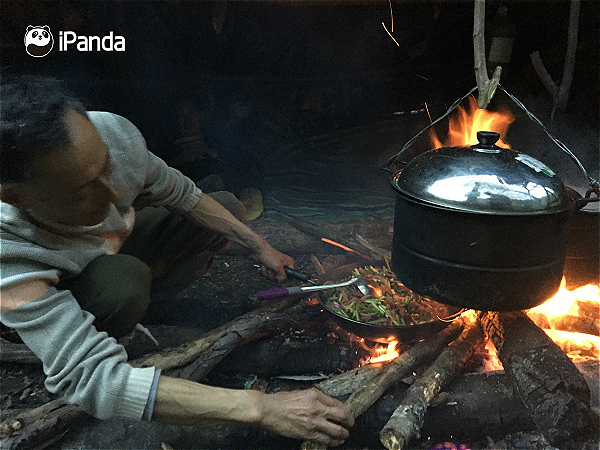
164	254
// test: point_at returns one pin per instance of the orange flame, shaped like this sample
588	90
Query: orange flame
566	303
463	127
389	353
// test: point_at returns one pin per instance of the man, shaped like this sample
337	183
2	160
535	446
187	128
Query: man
69	183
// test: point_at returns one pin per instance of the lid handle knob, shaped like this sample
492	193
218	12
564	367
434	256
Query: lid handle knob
487	138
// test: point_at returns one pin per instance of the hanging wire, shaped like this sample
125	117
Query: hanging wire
594	185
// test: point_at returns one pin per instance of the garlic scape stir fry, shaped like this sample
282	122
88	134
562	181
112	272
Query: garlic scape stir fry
396	305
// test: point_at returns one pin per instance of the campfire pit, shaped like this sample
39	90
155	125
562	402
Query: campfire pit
471	410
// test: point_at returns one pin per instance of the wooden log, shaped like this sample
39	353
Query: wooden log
346	383
567	322
55	421
17	353
457	414
588	309
210	349
280	355
243	327
402	366
407	420
550	385
472	406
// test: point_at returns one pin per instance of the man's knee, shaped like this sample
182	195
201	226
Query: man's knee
115	289
231	203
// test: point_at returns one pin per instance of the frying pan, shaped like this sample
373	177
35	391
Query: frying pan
377	332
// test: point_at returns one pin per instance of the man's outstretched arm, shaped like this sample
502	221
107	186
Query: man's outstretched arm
307	414
211	214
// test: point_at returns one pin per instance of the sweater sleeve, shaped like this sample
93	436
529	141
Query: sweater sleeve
84	365
141	176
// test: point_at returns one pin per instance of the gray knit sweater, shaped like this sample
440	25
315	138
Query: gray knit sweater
86	366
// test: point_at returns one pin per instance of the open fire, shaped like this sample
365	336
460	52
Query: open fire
572	310
570	318
463	127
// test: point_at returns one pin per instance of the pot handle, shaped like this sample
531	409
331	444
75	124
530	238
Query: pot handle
583	201
594	185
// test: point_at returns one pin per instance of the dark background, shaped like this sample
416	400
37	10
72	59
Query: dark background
284	70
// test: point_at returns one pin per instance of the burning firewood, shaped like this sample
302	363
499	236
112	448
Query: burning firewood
407	419
588	309
550	385
402	366
567	322
350	381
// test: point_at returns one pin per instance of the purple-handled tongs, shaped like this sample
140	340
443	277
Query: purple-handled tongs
361	283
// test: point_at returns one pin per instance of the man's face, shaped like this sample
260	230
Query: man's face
71	185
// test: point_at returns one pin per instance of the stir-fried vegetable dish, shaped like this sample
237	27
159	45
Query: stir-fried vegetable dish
392	302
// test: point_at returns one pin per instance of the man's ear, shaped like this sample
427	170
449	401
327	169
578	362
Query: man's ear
11	194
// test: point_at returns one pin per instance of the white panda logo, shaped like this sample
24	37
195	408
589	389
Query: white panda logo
38	41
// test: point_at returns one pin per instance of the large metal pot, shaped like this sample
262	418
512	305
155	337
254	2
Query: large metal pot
481	227
582	265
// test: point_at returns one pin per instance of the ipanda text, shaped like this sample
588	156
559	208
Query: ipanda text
107	43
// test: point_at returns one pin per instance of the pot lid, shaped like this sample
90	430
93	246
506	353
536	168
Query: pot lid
483	178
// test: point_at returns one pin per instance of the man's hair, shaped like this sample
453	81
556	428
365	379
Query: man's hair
32	123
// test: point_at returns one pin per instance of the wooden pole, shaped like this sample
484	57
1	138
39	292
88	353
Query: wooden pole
560	94
486	87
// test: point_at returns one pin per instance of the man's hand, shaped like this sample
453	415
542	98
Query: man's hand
272	263
308	415
210	214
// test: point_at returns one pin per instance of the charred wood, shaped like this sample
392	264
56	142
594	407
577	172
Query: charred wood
346	383
550	385
472	408
587	309
275	356
218	340
403	365
567	322
407	420
17	353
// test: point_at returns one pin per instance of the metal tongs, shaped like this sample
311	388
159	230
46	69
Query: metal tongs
359	282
